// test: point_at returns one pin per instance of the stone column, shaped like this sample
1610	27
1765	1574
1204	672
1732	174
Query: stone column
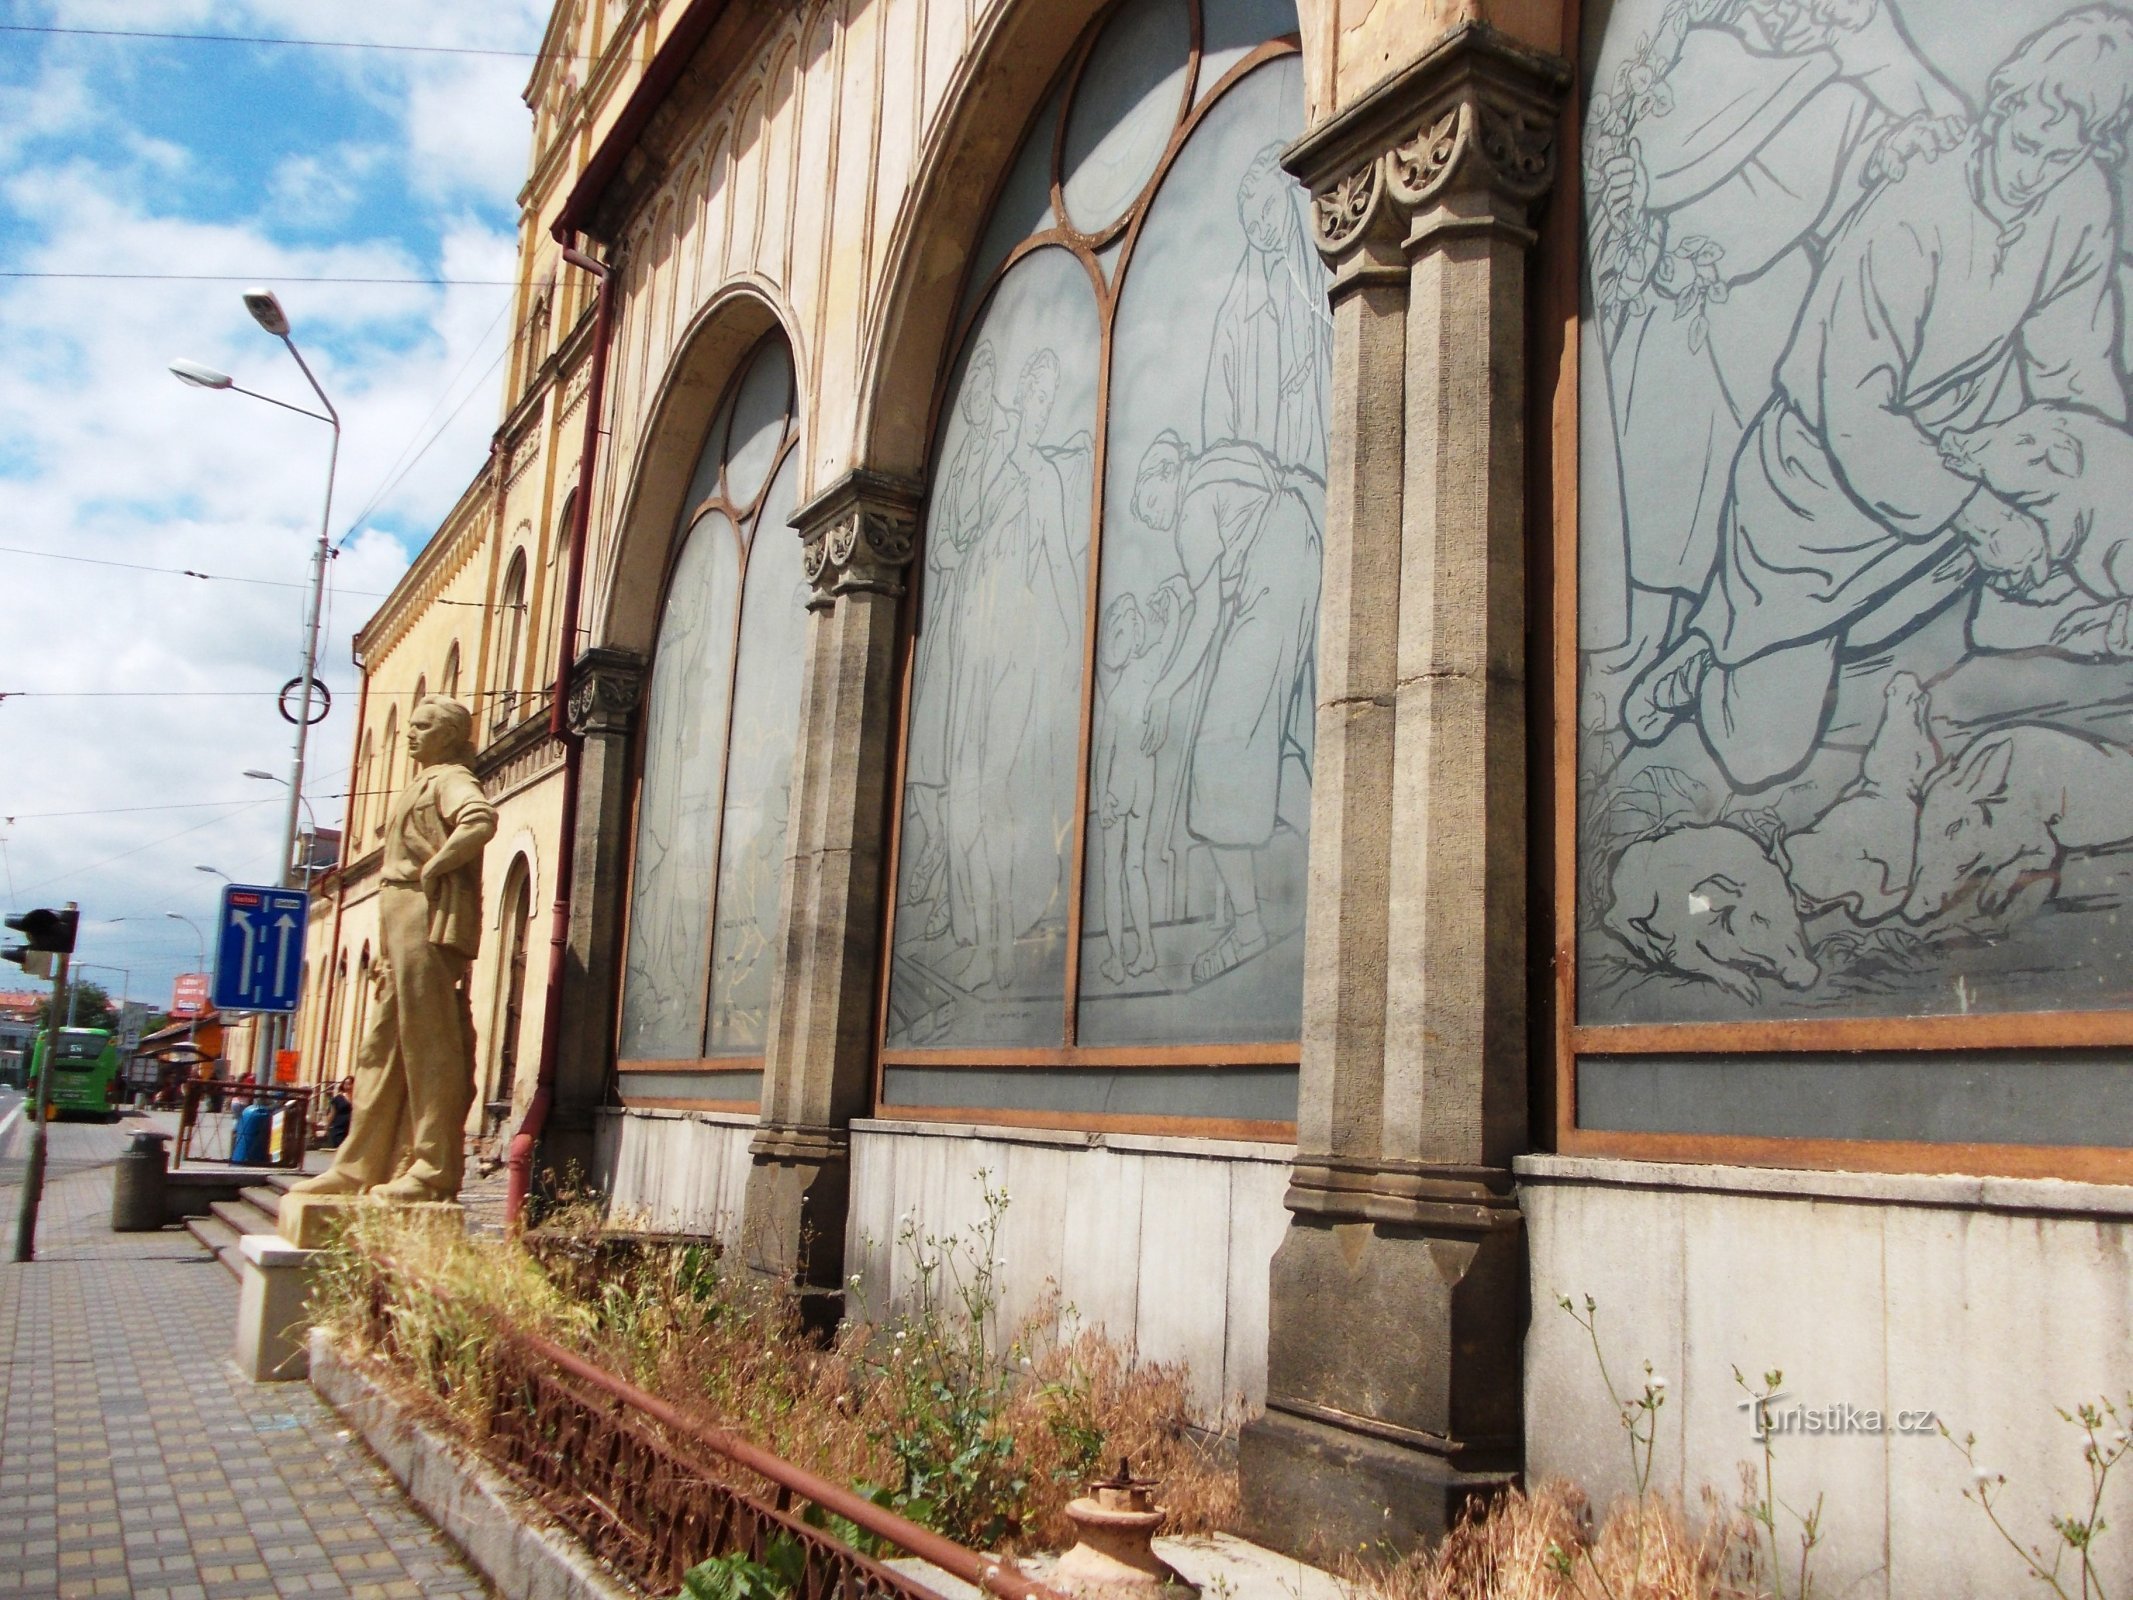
818	1061
605	689
1398	1295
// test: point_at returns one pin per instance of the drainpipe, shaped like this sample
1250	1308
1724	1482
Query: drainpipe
520	1160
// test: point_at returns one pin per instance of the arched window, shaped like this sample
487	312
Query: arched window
1106	790
511	984
422	689
329	1044
361	1006
360	802
392	752
720	718
448	684
511	625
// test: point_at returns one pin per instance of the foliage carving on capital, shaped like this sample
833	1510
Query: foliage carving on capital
1340	214
604	697
870	549
1422	166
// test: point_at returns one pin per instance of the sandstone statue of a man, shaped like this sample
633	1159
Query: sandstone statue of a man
415	1066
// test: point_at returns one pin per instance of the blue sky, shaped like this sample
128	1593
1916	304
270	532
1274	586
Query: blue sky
137	699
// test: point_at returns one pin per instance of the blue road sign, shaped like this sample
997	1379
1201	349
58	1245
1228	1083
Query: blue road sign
259	948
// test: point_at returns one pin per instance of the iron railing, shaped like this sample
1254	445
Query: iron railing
653	1491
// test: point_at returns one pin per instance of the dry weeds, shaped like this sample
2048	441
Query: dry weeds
729	1348
1542	1546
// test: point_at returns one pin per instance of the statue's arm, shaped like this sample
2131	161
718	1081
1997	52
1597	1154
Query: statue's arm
467	812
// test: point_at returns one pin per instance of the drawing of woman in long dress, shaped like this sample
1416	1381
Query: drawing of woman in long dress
1010	760
1273	340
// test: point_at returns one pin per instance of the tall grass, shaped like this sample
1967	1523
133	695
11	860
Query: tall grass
981	1433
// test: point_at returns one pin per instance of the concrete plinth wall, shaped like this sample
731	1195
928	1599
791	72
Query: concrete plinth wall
674	1171
1163	1243
1988	1302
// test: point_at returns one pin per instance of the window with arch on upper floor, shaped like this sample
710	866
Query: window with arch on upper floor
448	682
721	711
388	768
511	628
1106	780
360	802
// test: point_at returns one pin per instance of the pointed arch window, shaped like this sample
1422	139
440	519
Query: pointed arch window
512	624
721	712
1106	777
448	684
392	752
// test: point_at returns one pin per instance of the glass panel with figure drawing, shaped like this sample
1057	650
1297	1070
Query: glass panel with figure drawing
1170	910
1855	601
719	724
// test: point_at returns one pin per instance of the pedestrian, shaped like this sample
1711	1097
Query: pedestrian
343	1108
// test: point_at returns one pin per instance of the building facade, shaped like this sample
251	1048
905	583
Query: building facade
1398	659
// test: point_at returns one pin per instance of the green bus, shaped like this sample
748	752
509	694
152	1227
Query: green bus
85	1072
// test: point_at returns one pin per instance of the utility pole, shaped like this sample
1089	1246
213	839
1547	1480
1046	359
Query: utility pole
33	1175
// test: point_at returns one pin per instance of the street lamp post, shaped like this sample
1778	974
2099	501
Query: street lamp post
192	1023
268	777
267	312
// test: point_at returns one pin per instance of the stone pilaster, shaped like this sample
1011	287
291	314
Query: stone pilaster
858	537
1398	1296
606	687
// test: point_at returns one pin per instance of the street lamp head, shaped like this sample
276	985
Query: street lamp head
200	377
267	311
218	872
265	777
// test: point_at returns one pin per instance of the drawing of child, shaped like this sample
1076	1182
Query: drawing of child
1133	648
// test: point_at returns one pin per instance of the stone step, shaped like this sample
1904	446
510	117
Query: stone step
267	1197
243	1216
218	1237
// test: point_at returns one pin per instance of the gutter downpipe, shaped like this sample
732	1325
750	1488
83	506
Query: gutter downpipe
520	1161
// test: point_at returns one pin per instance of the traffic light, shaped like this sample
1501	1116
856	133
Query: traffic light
46	934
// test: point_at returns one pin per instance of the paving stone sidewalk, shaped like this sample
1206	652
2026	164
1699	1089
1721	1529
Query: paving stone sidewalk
133	1458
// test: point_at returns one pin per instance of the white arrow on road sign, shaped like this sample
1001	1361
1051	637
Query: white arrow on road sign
243	923
281	960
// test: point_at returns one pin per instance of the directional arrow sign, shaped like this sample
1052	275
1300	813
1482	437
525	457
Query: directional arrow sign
259	948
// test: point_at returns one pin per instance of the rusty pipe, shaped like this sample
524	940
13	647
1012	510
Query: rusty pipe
519	1176
990	1573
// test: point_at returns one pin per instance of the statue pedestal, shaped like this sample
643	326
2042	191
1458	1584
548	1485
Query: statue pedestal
312	1221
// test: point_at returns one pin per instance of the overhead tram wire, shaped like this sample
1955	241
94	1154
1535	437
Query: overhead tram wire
206	577
288	42
253	277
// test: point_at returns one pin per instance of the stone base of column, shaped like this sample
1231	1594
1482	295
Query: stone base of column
1394	1379
793	1224
1320	1489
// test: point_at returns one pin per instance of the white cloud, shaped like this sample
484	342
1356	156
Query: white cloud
136	690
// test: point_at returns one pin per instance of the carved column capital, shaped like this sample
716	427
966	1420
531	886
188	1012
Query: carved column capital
604	691
1470	126
858	536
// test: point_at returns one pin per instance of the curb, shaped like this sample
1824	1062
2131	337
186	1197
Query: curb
472	1503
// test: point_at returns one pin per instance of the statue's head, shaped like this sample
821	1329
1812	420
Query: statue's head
440	731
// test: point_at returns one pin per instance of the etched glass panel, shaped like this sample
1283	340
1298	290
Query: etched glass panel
1023	208
761	407
766	715
678	801
1230	30
1124	109
987	839
1854	735
1214	493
